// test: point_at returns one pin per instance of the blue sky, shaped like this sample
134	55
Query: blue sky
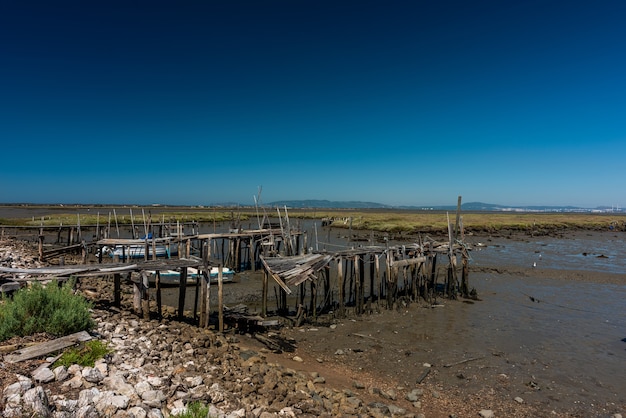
396	102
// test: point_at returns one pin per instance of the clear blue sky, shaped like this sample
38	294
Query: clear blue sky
397	102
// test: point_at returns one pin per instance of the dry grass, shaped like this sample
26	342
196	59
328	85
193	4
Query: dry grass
371	220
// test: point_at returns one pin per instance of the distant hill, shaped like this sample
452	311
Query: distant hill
329	204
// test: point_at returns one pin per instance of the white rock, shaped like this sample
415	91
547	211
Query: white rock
87	411
13	400
142	387
36	401
43	375
153	398
137	412
92	375
85	397
155	413
60	373
486	413
194	381
14	389
118	384
74	383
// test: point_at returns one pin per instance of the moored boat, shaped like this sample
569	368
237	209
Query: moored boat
172	277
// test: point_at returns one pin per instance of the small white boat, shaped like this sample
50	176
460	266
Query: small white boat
139	250
172	277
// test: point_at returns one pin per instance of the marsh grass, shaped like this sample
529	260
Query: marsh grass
367	219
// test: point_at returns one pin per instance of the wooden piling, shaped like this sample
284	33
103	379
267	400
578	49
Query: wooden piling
117	290
182	293
220	297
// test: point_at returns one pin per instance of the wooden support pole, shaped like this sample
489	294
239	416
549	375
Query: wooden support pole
264	296
137	297
145	295
41	237
204	298
182	293
340	285
157	284
117	290
358	285
220	297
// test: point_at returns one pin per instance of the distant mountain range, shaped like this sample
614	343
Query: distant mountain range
466	207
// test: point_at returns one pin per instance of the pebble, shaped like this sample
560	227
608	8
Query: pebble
154	375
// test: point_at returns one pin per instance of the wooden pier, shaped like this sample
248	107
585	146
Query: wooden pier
351	281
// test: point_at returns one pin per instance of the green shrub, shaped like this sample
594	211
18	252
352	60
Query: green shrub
84	355
52	309
194	410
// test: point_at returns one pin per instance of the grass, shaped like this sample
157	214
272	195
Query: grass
367	219
51	309
194	410
84	355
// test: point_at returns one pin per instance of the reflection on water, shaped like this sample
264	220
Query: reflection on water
600	252
566	335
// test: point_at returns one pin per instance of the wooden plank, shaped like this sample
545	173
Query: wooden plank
47	347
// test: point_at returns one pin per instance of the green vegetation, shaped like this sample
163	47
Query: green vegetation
194	410
383	220
84	355
52	309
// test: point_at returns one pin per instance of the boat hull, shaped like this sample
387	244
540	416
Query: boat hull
172	277
139	251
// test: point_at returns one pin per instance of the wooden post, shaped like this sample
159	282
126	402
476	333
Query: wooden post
137	297
182	293
358	303
158	294
204	298
264	296
220	299
117	290
340	285
145	295
41	237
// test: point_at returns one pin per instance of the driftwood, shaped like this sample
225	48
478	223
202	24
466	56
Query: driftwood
276	343
47	347
463	361
421	378
365	336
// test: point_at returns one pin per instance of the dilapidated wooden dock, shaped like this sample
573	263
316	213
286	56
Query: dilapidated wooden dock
354	280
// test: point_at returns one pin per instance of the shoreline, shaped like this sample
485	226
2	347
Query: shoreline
437	398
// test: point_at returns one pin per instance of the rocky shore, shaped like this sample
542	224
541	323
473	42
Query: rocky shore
158	367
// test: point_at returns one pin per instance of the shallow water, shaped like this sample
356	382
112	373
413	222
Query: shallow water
570	337
601	252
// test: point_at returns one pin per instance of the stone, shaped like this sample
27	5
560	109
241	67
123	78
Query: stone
137	412
60	373
486	413
35	401
13	389
43	375
92	375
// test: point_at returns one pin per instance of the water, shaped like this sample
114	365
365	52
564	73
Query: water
570	338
